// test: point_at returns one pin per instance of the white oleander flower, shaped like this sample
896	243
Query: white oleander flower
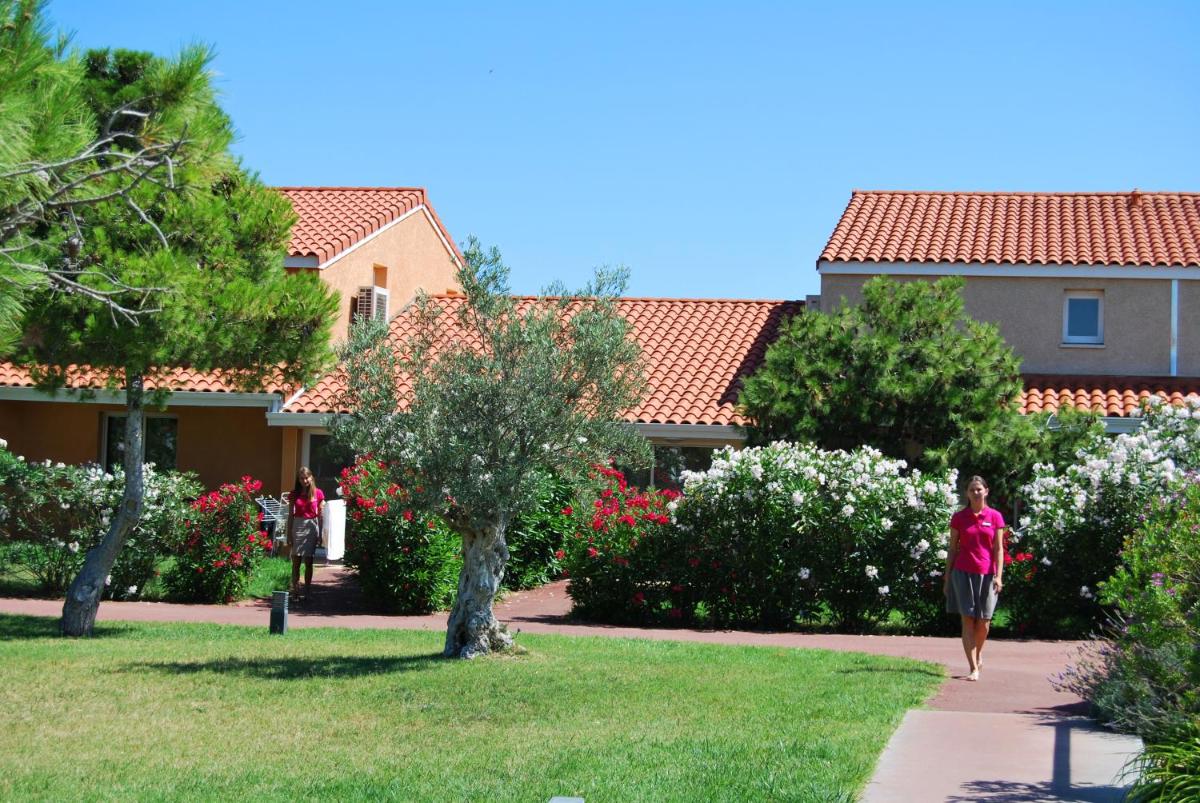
73	547
942	554
872	572
1045	561
131	591
848	511
884	591
805	573
887	525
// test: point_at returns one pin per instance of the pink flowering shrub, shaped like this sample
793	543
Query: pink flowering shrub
407	561
224	541
617	555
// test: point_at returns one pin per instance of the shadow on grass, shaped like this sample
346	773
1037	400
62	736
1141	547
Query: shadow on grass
297	668
892	670
23	628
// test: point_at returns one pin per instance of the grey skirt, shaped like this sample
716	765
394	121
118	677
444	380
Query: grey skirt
971	595
305	533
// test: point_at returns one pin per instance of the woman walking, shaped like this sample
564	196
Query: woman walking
304	528
974	565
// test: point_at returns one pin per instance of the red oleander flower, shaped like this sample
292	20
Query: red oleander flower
568	510
593	552
560	554
408	515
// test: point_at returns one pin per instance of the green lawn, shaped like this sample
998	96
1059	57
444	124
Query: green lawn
205	711
271	574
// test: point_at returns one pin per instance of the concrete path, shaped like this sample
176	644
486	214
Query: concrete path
1009	737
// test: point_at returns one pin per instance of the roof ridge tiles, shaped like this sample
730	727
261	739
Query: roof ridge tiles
317	188
1035	193
672	299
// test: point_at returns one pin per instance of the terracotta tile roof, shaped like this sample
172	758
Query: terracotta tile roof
1131	228
697	351
333	219
184	379
1107	395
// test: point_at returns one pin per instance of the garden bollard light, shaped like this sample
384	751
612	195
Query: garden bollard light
279	602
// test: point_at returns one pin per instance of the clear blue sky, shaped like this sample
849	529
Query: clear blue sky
709	146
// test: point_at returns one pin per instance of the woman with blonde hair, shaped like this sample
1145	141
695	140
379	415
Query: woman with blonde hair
304	528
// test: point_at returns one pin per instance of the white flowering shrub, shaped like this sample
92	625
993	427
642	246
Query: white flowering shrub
1079	516
52	514
773	534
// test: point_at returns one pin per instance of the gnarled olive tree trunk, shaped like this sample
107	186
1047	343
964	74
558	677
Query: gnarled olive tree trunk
473	629
83	597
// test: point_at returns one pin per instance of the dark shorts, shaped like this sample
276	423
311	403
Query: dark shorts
971	595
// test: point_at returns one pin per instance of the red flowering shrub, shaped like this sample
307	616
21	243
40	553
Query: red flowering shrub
616	556
224	541
406	560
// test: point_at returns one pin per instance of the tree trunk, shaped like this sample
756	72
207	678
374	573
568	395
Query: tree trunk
83	597
473	629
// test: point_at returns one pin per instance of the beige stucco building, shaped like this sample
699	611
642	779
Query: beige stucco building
377	246
1097	293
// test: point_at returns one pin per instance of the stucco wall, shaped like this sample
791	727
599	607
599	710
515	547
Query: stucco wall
1029	313
414	256
1189	328
220	444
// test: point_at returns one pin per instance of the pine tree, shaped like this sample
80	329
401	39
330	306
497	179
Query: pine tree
178	264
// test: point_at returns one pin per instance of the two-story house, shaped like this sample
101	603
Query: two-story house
375	245
1098	293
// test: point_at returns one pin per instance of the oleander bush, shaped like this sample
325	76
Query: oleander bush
768	537
1145	678
223	544
536	539
786	532
1079	517
407	560
53	513
618	554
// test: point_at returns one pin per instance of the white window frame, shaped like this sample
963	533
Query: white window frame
380	304
1081	340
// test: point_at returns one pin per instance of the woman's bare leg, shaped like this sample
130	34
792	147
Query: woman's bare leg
982	627
295	574
308	564
968	641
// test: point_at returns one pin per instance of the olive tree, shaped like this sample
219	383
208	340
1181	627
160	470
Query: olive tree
484	395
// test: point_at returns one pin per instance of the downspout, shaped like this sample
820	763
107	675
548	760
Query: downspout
1174	327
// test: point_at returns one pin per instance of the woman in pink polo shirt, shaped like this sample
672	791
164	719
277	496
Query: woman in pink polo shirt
304	527
974	564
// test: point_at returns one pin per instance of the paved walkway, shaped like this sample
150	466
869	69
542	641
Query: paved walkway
1009	737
